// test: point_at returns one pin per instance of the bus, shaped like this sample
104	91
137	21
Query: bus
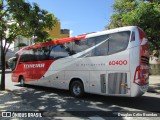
113	62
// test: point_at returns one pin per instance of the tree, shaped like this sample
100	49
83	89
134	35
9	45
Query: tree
120	8
145	14
21	18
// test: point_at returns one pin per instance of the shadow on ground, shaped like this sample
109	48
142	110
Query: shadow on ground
49	99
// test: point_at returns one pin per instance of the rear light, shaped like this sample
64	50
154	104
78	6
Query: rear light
138	77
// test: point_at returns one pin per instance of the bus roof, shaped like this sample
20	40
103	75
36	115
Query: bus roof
53	42
79	37
130	28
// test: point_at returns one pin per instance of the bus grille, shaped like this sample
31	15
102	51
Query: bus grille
145	60
117	83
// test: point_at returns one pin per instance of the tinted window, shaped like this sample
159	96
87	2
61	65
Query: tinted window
69	48
37	54
12	62
133	36
79	46
118	41
58	51
102	48
41	54
91	42
26	56
95	46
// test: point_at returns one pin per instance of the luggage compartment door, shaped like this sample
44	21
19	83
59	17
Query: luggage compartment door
118	83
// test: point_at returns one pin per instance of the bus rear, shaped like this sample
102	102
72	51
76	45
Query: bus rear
139	56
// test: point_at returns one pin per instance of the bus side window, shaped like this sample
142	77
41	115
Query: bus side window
26	56
69	48
91	42
40	54
79	46
133	36
51	56
44	53
118	42
102	49
22	58
58	51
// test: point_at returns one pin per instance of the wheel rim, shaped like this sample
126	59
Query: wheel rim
76	89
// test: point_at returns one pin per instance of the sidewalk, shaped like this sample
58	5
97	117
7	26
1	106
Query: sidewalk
154	84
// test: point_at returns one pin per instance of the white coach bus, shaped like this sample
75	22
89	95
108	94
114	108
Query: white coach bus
112	62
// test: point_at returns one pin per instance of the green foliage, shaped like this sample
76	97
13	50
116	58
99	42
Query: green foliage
124	6
21	45
21	18
18	17
145	14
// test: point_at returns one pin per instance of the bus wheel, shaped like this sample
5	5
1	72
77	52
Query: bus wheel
22	84
77	89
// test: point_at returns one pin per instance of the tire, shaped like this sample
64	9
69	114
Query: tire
22	84
77	89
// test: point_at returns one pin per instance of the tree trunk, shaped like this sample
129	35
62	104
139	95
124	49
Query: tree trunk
2	81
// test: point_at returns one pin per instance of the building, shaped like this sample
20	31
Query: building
55	33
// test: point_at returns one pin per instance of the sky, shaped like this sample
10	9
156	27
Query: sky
80	16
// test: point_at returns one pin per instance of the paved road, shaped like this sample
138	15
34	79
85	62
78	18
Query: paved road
49	99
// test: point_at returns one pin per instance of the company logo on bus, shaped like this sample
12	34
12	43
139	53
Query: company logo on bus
34	66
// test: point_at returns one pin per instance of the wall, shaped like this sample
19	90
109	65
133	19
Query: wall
57	32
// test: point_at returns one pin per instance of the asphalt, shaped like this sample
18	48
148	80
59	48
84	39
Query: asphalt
11	102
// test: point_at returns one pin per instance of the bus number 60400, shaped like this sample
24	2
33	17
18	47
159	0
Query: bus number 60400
118	62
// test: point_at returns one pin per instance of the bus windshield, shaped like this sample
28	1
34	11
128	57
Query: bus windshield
13	61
